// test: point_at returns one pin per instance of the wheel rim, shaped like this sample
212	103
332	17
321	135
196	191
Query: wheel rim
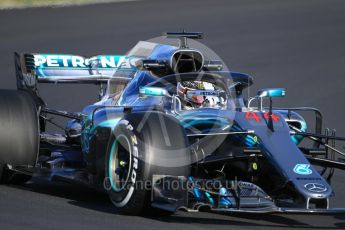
120	162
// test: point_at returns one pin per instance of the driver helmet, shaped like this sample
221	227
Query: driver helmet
190	100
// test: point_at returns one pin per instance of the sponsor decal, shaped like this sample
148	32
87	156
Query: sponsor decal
246	184
203	93
302	169
73	61
258	117
315	187
308	178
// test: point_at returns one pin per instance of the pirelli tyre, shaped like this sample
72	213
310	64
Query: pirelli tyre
143	145
19	134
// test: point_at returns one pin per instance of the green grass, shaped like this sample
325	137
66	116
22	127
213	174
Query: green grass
34	3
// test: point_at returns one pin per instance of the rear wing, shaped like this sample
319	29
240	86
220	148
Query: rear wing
63	68
32	69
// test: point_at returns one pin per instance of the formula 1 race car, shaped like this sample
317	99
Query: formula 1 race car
173	130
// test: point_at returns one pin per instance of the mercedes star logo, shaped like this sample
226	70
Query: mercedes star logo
315	187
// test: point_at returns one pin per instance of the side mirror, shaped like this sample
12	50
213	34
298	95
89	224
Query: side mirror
274	92
152	91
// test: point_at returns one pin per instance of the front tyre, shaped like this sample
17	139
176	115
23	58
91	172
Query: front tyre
142	145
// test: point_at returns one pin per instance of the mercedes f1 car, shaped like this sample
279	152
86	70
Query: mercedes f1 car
172	130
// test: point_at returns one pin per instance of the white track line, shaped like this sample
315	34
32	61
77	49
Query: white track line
64	4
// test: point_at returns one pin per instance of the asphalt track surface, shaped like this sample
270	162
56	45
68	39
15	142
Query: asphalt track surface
298	45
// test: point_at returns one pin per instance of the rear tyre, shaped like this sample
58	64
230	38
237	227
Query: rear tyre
138	150
19	134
